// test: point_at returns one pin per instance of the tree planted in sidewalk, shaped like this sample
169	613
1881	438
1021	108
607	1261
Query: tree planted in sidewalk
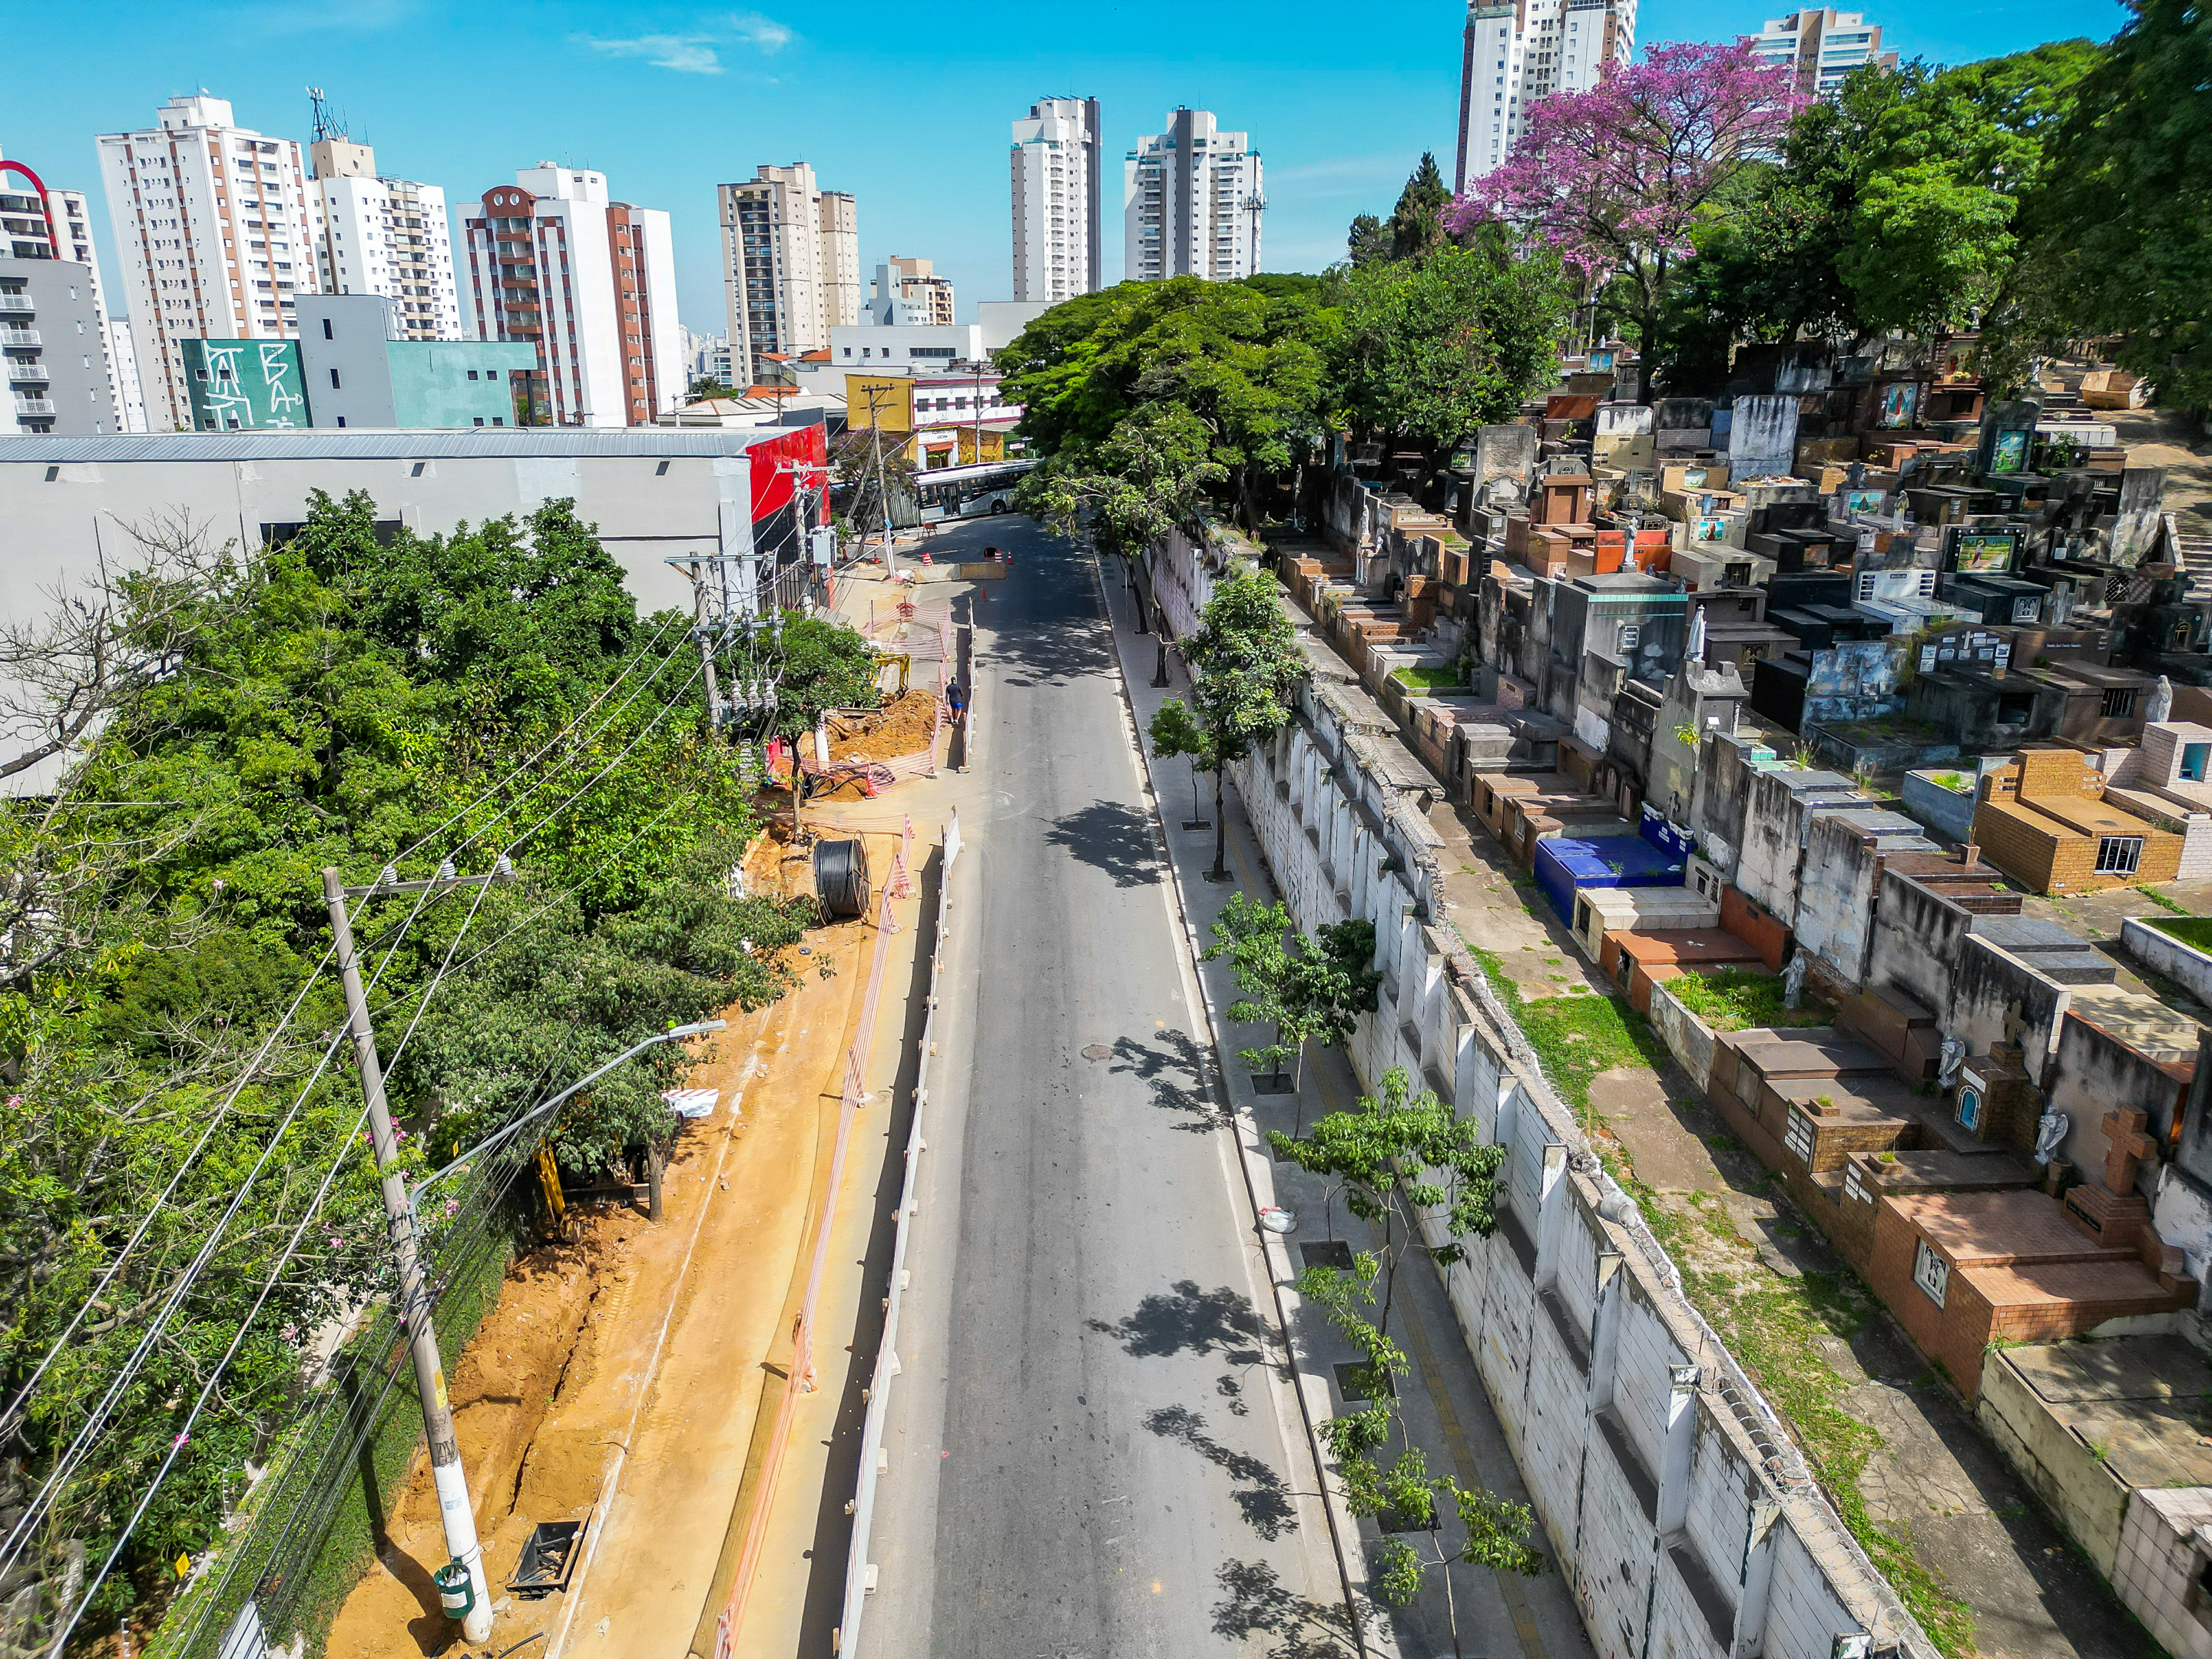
1396	1155
1308	985
1245	665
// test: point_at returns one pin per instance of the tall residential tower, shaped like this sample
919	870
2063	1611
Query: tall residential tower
383	236
1191	202
791	264
1059	238
213	233
1516	52
68	365
1822	47
591	283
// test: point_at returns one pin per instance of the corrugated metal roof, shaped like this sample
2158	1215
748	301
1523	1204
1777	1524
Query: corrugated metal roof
321	444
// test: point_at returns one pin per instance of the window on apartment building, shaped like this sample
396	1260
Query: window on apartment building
2118	856
334	380
2117	703
1931	1273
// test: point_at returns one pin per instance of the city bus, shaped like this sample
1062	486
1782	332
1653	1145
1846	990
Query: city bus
969	492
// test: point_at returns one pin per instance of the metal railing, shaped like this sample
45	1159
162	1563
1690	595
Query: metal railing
19	336
23	371
34	406
16	304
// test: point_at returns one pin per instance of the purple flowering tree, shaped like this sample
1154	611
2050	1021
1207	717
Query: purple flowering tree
1613	179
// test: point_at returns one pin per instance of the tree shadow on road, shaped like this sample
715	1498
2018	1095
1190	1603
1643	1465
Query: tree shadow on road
1109	836
1174	1067
1266	1504
1190	1320
1258	1605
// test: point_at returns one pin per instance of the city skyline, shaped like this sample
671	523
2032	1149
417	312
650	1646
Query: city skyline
631	86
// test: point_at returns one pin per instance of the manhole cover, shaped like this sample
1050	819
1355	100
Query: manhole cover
1098	1051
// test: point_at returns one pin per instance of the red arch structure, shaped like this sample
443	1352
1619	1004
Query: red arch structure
46	202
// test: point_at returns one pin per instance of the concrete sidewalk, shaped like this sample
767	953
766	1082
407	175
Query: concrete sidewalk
1444	1408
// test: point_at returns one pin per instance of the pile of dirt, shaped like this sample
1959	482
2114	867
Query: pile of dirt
901	727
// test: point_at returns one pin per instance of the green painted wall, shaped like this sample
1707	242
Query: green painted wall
245	385
431	387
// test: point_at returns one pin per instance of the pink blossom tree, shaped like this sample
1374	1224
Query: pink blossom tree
1613	179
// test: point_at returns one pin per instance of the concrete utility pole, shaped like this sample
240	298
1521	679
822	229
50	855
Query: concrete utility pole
453	1506
883	489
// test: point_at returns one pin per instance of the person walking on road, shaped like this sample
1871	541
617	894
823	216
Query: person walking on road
956	702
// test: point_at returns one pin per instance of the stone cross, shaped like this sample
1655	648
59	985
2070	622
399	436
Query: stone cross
2126	1145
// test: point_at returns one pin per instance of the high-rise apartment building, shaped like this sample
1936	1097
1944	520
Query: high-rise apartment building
73	371
1060	239
213	233
791	264
910	291
1191	202
1822	47
1516	52
383	236
591	283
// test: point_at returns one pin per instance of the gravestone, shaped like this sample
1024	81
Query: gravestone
2008	435
1505	451
1762	437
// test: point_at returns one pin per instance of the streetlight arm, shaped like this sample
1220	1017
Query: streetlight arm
673	1035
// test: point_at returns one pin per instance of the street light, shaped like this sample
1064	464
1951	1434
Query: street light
673	1034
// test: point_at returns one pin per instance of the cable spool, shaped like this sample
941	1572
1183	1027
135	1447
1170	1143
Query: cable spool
840	877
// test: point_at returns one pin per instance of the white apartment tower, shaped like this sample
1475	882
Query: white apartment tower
1821	47
213	233
791	266
383	236
38	221
1059	235
1516	53
591	283
1191	202
909	291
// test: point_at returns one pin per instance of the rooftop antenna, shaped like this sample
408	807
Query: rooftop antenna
325	124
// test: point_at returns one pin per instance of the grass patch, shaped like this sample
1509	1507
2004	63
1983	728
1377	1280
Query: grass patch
1774	1325
1430	679
1737	999
1576	1038
2164	902
2195	930
1948	779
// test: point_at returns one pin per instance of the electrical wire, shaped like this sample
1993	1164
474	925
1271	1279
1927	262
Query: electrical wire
519	767
80	1447
88	1436
11	1413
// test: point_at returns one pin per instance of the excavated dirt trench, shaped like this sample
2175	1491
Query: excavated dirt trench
660	1342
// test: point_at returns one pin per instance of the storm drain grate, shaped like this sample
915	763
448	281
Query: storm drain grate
1335	1254
1098	1051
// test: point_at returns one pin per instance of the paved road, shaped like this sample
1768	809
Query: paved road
1087	1450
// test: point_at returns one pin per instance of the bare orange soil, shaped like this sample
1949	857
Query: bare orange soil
619	1376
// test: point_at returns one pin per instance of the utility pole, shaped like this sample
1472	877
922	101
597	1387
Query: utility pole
977	410
413	1302
883	489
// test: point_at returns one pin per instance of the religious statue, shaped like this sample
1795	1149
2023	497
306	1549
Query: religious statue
1793	980
1954	1055
2160	707
1694	653
2050	1134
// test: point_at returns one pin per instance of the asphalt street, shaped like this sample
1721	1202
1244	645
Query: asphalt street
1088	1449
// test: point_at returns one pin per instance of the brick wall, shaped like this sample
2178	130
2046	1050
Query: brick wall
1748	919
2017	845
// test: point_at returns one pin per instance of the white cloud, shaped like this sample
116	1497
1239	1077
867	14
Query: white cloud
763	33
687	54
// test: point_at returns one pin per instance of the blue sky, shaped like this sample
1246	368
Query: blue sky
907	108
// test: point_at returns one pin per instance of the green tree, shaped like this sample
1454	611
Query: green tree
1310	988
2123	238
1416	223
707	387
1244	360
1367	242
821	665
1431	351
356	700
1398	1155
1245	665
